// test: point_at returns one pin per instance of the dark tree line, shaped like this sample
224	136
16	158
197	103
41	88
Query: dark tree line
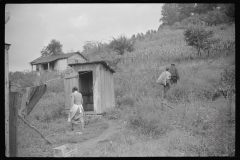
176	12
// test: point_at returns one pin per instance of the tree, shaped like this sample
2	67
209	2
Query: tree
53	48
88	45
170	12
199	38
229	10
185	10
201	8
192	20
215	17
7	17
175	12
121	45
133	37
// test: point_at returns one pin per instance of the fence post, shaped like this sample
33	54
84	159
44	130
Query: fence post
6	101
14	105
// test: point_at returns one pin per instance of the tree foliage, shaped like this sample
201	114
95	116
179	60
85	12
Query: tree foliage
199	38
229	10
201	8
89	45
215	17
121	45
22	79
210	13
175	12
94	48
170	12
185	10
53	48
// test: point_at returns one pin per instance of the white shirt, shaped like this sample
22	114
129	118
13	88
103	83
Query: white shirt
168	75
163	77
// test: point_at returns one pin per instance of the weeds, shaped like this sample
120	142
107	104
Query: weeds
196	126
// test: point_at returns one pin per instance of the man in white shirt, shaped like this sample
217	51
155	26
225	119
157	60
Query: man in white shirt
164	79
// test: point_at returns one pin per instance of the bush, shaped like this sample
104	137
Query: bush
199	38
113	113
22	79
55	85
126	100
121	45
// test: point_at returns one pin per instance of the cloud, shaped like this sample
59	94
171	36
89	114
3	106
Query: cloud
80	21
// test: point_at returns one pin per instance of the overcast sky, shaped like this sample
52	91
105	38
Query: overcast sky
32	26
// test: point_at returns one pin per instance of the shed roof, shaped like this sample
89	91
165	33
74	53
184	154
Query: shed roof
104	63
53	58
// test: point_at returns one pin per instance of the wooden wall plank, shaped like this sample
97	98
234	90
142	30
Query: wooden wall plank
69	83
99	92
15	103
102	91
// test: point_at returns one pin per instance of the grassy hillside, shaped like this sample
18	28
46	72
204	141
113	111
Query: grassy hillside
138	96
205	122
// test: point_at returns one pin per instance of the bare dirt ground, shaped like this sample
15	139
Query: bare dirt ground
117	141
86	146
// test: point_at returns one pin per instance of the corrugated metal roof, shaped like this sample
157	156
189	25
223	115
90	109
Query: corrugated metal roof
53	58
104	63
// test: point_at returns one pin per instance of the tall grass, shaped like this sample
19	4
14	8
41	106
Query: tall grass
138	97
191	96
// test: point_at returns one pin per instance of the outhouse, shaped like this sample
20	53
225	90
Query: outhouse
95	82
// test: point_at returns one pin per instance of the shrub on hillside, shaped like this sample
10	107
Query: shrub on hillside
126	100
199	38
53	86
121	45
22	79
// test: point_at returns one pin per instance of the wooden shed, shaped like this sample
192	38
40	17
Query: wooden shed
95	82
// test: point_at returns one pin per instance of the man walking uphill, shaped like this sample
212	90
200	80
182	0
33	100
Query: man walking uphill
164	79
174	74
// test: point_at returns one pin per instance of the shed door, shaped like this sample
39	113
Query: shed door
69	82
86	89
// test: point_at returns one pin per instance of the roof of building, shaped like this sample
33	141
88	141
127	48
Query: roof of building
54	58
104	63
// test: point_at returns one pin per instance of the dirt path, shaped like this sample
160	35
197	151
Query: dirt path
113	127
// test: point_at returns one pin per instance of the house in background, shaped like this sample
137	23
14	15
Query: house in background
58	62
